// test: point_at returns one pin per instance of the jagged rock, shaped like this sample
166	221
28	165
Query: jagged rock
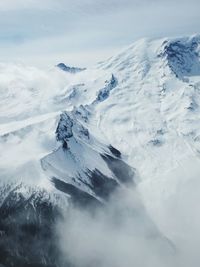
182	56
105	92
115	151
63	67
64	129
69	126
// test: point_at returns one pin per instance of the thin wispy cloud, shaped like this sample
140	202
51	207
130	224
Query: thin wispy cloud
70	27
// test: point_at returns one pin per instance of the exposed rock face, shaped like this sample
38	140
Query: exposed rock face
64	129
69	127
183	56
63	67
104	92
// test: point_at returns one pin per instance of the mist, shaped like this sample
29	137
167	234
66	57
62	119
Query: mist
125	232
121	233
173	201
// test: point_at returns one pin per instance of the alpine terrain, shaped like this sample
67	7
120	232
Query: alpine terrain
85	139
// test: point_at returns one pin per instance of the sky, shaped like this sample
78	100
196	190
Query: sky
83	32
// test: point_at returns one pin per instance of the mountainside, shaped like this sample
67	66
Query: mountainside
79	135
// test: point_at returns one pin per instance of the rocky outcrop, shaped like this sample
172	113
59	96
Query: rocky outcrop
64	129
104	93
66	68
182	56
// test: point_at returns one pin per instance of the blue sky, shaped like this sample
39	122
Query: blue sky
82	32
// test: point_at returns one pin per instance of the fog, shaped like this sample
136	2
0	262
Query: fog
124	233
173	201
118	234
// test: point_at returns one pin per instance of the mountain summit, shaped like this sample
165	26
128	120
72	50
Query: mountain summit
63	67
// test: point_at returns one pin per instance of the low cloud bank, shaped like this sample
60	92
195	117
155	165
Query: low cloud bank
123	234
119	234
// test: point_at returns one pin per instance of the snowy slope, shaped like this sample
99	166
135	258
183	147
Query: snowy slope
151	108
144	102
153	117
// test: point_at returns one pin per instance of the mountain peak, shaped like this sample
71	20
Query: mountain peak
66	68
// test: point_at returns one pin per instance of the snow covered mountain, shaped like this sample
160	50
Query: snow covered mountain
131	121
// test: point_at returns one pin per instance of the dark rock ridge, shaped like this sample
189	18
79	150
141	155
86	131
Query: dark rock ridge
182	56
69	127
66	68
114	151
104	93
101	186
124	173
78	197
64	129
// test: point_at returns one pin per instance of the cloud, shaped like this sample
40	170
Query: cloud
86	5
122	234
25	4
172	200
125	234
75	26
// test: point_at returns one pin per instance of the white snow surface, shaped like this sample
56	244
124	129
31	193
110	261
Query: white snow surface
152	115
